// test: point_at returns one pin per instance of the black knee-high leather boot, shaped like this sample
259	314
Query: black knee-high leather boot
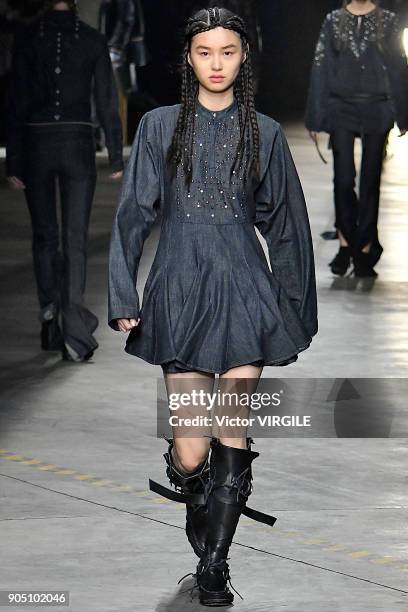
230	487
192	485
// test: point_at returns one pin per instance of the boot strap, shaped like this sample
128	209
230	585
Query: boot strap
191	498
261	517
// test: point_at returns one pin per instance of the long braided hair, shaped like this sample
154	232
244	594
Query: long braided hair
379	24
180	152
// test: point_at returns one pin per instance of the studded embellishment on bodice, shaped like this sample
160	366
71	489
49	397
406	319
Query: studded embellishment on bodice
354	32
212	197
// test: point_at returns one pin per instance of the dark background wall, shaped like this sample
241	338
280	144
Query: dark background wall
289	31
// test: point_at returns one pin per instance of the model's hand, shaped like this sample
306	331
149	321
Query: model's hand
313	136
117	57
116	176
402	133
126	325
15	182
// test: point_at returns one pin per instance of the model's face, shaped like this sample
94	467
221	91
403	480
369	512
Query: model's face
61	6
216	57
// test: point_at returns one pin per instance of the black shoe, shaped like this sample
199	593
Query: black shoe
230	487
339	265
191	483
329	235
363	265
376	251
51	336
67	356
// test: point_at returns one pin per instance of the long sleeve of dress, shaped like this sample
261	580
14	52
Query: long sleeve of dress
282	219
137	210
317	99
397	66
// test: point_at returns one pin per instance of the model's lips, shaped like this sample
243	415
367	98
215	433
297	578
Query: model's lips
217	78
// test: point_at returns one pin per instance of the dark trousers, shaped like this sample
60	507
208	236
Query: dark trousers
357	217
64	159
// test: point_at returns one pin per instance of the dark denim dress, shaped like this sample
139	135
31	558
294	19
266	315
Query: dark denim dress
210	301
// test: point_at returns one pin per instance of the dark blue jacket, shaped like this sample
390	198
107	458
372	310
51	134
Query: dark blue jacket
349	60
58	64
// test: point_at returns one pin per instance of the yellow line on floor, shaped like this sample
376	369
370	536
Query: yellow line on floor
358	554
383	560
97	481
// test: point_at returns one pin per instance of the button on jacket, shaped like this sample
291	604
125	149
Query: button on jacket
58	64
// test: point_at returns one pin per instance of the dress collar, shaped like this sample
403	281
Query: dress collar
220	114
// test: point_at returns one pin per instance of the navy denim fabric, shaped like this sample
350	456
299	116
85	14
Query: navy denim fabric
63	156
211	301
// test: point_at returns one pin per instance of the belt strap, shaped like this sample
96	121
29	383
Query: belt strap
261	517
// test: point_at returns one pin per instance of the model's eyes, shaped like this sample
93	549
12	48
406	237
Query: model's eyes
205	53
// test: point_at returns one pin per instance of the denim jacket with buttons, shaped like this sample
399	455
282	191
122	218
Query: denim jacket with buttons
58	64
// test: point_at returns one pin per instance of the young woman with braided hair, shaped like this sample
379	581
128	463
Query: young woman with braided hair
216	168
358	88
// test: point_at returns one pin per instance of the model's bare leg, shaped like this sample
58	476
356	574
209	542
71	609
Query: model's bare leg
230	479
190	450
241	380
343	241
187	457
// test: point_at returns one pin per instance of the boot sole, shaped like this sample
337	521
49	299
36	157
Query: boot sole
339	271
213	602
365	275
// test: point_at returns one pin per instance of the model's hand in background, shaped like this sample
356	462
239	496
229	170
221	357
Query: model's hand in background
126	325
15	182
115	176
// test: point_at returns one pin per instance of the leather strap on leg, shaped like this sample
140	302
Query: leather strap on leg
251	513
186	483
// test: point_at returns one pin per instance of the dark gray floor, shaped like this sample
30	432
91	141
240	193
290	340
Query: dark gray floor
78	443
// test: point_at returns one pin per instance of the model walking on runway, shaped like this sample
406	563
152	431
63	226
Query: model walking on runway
58	62
358	88
216	169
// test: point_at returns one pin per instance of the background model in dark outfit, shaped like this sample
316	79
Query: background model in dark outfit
57	64
217	169
358	88
122	23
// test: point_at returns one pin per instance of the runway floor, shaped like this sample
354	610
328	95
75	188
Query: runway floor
78	441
